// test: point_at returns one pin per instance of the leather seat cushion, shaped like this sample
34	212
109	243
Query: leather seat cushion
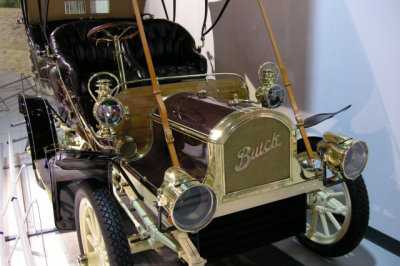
172	48
71	46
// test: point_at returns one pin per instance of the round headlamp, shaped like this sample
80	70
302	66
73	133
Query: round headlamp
126	147
109	112
355	160
348	155
190	204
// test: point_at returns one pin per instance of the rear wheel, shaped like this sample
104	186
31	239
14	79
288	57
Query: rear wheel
337	216
102	239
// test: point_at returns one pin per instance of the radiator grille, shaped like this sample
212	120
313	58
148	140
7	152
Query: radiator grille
257	153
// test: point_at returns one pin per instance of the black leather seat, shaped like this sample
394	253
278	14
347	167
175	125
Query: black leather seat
79	58
172	47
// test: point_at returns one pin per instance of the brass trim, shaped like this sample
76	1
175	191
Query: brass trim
99	74
176	183
141	155
221	132
216	177
265	197
181	128
121	142
90	134
334	149
256	190
191	76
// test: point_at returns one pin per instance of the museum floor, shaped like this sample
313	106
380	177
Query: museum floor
62	249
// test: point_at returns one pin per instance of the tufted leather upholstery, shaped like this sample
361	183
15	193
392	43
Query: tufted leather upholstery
76	56
172	49
78	59
70	45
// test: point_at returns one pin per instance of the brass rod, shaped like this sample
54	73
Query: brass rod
288	86
120	61
156	88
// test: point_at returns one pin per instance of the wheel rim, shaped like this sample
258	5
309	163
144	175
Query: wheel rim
328	211
91	236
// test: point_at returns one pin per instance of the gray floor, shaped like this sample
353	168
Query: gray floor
62	249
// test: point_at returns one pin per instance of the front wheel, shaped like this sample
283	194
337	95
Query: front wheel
102	238
337	217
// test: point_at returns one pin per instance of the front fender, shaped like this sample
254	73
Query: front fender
39	124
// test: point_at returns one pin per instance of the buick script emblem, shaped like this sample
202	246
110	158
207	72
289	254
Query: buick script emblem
248	154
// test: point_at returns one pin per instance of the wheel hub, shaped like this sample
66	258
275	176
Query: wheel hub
323	226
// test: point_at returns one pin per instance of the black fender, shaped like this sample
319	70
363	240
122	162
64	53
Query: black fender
39	125
68	168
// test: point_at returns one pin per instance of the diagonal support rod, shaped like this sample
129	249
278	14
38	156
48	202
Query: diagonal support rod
288	86
156	88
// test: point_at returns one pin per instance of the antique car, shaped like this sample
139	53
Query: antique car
142	148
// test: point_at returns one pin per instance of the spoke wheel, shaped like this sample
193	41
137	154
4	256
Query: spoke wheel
101	236
337	217
91	236
329	214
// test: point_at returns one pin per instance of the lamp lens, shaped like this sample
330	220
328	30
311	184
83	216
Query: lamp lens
110	112
355	160
194	209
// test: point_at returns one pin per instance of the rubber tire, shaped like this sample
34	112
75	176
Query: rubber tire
359	216
109	219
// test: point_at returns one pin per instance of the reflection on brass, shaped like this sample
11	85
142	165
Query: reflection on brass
105	96
202	94
335	138
126	147
104	85
178	182
269	94
83	128
309	169
83	260
140	102
146	223
270	163
334	150
172	187
105	132
106	101
207	77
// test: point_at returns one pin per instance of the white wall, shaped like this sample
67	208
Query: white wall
355	59
351	56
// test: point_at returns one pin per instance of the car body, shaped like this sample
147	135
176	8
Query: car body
242	177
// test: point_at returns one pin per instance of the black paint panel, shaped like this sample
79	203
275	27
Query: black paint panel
39	124
67	169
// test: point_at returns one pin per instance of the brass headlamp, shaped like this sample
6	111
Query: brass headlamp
110	112
344	154
190	204
269	94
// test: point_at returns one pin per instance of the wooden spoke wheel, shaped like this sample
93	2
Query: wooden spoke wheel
102	238
337	217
